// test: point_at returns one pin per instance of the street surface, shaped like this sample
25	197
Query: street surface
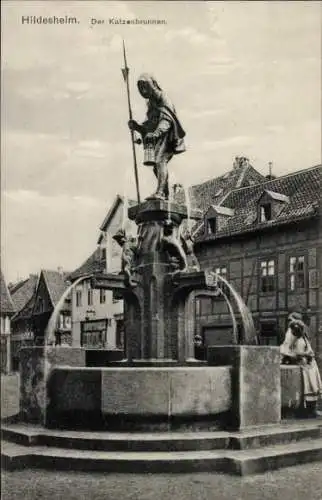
303	482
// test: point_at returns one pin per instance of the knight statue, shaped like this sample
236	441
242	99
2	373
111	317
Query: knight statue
162	133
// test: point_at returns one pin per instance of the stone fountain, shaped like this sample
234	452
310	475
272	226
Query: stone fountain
157	408
159	383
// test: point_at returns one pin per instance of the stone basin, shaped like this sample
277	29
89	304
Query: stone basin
157	393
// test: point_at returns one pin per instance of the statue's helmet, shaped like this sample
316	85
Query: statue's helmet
147	84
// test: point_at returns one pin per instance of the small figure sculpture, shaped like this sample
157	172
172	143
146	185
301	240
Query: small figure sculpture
129	247
173	246
187	243
161	132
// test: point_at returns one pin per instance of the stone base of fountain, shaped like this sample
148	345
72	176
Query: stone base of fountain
240	386
153	394
166	419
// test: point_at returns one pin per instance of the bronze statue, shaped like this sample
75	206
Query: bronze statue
162	133
129	250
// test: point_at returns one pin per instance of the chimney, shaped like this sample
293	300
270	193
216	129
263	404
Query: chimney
240	161
270	175
60	270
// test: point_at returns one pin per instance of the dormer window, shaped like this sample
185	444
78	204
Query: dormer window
270	205
266	212
212	226
216	218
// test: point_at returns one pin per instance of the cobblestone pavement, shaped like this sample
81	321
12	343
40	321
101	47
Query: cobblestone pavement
294	483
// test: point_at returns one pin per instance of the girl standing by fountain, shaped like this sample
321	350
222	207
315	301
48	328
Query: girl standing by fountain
296	349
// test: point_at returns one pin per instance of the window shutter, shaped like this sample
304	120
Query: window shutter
314	278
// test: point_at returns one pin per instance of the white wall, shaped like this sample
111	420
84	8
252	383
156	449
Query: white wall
113	265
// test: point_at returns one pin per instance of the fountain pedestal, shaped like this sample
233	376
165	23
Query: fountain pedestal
152	310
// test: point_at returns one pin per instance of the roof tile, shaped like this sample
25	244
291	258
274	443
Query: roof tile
303	189
57	283
22	292
94	264
6	304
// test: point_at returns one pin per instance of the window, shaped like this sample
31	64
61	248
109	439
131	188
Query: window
103	254
211	226
90	297
67	322
268	333
96	339
78	298
222	271
5	325
296	273
64	322
266	212
102	297
40	304
267	274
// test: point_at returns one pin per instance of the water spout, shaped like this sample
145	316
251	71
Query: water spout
125	210
248	333
170	198
50	338
51	327
188	204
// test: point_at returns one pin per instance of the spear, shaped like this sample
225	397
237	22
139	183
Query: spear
125	73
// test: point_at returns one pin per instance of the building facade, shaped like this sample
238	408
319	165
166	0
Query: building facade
7	310
22	334
97	317
51	293
266	239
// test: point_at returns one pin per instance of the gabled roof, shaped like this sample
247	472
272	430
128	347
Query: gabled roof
94	264
303	188
22	292
212	192
26	311
214	210
56	283
276	196
6	304
110	214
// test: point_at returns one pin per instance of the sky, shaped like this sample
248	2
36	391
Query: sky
245	78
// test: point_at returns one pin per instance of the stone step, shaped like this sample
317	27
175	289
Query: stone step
256	461
31	435
118	441
240	462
